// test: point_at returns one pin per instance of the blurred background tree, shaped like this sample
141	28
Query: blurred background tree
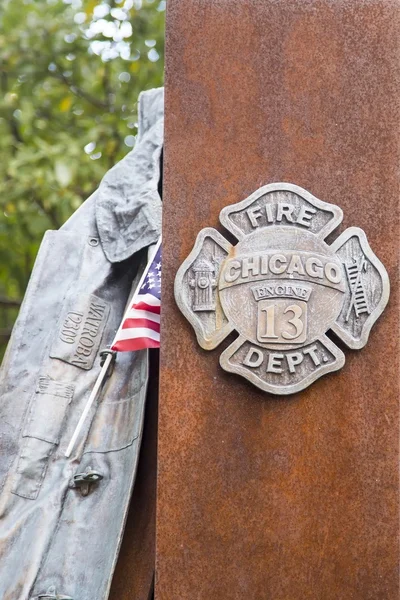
70	75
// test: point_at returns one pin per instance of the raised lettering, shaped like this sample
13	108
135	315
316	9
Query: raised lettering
295	321
314	267
269	213
312	351
71	325
76	317
296	265
264	264
86	342
67	336
274	363
285	210
234	266
81	351
96	311
253	358
92	331
78	361
268	327
254	214
294	359
273	267
250	265
305	215
80	331
333	272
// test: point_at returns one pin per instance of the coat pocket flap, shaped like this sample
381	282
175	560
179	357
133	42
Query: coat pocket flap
47	409
31	468
116	424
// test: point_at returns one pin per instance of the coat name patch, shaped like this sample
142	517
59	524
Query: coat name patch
80	331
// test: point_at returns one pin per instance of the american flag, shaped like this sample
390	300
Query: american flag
140	327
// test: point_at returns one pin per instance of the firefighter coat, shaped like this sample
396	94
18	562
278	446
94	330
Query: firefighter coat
61	520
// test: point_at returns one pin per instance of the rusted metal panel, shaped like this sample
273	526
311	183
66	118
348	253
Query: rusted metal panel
134	573
258	496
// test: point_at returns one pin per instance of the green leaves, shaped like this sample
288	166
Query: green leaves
70	75
63	173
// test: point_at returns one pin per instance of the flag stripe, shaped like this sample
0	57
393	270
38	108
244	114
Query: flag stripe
145	306
149	299
142	314
125	334
143	323
133	345
140	327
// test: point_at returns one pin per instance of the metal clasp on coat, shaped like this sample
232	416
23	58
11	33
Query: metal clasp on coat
51	594
83	481
103	356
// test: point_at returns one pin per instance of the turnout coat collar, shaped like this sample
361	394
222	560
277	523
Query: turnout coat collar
128	205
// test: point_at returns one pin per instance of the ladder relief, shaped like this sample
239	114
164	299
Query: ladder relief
358	299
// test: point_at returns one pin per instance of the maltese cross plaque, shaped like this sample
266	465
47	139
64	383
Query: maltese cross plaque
282	288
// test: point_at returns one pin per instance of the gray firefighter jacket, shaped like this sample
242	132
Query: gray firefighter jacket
61	520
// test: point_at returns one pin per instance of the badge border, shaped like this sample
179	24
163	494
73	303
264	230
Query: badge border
205	341
210	342
287	389
331	225
344	237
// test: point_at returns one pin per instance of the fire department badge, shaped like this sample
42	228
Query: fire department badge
282	288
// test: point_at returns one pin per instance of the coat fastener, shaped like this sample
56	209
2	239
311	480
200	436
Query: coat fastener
83	481
51	594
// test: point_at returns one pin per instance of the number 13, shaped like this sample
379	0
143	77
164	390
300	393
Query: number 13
296	321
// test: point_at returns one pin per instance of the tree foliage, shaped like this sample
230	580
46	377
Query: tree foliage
70	75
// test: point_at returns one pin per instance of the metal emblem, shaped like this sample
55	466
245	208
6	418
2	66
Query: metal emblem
282	287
